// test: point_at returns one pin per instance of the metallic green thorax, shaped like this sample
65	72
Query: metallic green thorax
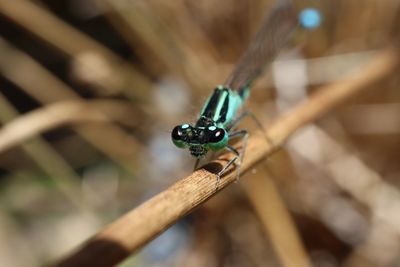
221	107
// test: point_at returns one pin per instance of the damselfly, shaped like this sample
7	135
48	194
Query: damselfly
220	114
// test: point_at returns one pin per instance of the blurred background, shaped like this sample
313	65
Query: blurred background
90	90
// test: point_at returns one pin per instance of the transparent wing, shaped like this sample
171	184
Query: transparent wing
272	36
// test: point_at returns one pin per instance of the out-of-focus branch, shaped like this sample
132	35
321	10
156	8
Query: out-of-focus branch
145	22
61	173
277	222
43	86
133	230
368	187
50	117
121	76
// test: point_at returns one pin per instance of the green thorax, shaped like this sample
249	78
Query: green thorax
222	106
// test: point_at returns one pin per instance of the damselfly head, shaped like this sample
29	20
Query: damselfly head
199	139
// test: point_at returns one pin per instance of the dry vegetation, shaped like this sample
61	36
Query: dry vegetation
90	90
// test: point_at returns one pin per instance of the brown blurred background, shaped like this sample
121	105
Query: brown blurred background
90	90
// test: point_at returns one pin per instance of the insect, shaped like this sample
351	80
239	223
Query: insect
221	113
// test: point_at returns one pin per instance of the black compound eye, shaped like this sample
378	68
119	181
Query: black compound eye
180	131
216	134
176	133
180	135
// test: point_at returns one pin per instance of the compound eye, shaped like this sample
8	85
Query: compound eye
217	138
217	135
179	134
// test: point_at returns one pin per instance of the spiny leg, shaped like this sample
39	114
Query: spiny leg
238	155
230	162
196	164
244	137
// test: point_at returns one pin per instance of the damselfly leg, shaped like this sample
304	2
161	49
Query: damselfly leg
243	135
196	164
